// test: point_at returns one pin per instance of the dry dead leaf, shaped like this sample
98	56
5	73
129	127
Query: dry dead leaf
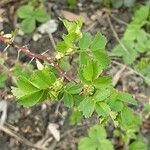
72	16
53	128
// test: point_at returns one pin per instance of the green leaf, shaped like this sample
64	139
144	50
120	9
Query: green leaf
116	105
96	140
68	100
127	115
97	132
73	88
28	25
64	63
101	95
103	82
102	109
88	71
138	145
85	41
97	70
27	93
19	70
25	85
25	11
87	144
73	27
3	79
75	117
31	98
87	107
72	3
102	58
43	78
84	58
41	15
17	92
99	42
141	15
125	97
130	54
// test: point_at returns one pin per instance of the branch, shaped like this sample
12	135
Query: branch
52	62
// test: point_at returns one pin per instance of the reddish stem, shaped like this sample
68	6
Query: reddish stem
40	57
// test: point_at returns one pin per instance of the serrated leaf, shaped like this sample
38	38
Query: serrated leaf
103	82
18	70
73	88
96	140
101	95
99	42
116	105
85	41
97	70
75	117
127	116
43	78
62	47
88	71
97	132
73	27
28	25
25	11
31	98
26	86
68	100
84	58
138	145
87	107
141	15
125	97
86	144
64	63
41	15
102	58
17	92
102	109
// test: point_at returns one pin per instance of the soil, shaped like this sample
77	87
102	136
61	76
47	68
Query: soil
32	123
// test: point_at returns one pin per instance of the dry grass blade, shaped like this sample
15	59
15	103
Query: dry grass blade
118	76
115	33
131	69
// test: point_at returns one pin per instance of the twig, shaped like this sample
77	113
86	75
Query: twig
34	58
20	138
117	76
129	68
52	40
115	34
44	58
52	62
6	71
118	20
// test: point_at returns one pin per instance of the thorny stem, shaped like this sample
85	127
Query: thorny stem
52	62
